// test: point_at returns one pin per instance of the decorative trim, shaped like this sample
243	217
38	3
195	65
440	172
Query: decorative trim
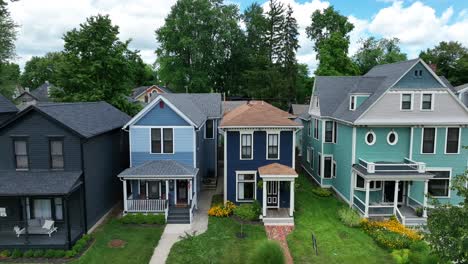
374	138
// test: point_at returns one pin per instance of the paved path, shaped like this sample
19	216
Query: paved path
279	233
173	232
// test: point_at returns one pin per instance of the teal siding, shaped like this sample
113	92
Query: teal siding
374	196
425	81
311	142
381	150
164	116
342	154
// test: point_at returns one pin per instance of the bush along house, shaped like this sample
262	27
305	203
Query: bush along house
173	143
58	172
259	159
387	142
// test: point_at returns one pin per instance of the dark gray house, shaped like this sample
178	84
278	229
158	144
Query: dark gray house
7	109
58	172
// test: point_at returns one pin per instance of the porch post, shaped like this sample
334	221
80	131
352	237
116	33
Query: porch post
395	198
124	182
264	198
167	190
147	193
426	189
291	198
190	190
408	192
67	215
25	217
175	192
195	188
366	212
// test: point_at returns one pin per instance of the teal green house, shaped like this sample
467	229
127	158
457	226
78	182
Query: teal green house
387	142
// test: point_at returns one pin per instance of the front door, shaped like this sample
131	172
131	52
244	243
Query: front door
153	190
182	192
272	193
389	191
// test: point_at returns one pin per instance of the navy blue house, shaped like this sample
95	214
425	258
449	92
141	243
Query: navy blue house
58	170
173	143
259	159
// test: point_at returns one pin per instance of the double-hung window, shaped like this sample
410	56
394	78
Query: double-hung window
452	145
21	154
309	126
162	140
246	146
407	101
330	131
429	140
316	128
209	129
273	146
360	184
439	186
246	186
328	167
426	102
319	165
56	154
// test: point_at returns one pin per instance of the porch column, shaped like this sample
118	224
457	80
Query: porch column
124	182
167	190
147	193
67	217
408	192
190	193
195	188
25	218
426	189
395	197
264	202
291	198
366	212
175	192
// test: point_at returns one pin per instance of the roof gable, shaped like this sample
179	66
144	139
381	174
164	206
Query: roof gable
162	114
419	77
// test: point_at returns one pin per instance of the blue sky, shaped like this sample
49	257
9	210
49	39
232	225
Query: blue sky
418	24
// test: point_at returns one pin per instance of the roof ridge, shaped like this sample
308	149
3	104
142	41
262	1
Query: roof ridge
395	63
68	103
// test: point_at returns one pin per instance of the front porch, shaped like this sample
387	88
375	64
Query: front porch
383	189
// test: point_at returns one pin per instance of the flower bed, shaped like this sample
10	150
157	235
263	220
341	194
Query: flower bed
222	210
390	233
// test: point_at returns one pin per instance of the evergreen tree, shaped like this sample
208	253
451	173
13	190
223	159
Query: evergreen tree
287	58
7	33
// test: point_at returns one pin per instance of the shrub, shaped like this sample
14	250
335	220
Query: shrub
322	192
390	233
49	253
269	252
248	212
5	253
139	219
70	253
38	253
28	254
420	252
156	219
401	256
349	217
16	254
222	210
59	253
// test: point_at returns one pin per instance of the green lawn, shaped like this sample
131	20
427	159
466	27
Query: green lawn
141	241
337	243
218	244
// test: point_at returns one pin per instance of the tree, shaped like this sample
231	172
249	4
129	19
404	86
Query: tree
40	69
7	33
9	75
304	84
95	65
377	51
330	32
451	59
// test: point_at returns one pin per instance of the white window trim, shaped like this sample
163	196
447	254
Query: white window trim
352	101
308	155
374	138
162	141
309	128
432	102
401	102
422	141
252	144
449	178
446	139
334	169
334	132
316	127
331	166
279	144
204	136
372	184
237	186
396	138
320	163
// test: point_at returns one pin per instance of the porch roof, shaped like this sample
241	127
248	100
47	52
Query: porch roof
408	175
159	169
28	183
277	171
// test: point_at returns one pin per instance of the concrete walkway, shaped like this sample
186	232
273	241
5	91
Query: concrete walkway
173	232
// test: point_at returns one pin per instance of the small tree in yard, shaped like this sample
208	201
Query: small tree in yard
448	226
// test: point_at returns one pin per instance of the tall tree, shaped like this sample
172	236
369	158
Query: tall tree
95	65
7	33
451	59
9	75
330	32
377	51
196	42
40	69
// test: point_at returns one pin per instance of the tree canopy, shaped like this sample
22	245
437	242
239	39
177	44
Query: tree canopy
7	33
40	69
374	52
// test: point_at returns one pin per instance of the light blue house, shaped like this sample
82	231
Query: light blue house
387	142
173	143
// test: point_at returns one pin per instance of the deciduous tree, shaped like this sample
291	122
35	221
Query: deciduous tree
374	52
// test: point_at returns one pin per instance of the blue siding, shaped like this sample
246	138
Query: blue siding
161	117
425	81
235	164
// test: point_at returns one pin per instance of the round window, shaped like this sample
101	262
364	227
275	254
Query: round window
392	138
370	138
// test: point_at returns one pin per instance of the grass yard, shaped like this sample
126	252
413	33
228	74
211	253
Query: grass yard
337	243
139	247
218	244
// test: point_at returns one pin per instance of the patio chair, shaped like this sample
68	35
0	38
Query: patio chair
19	231
49	227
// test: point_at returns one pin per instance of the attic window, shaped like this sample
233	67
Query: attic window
352	103
161	104
418	73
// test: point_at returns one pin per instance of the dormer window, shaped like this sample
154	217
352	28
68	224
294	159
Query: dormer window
352	103
426	102
407	101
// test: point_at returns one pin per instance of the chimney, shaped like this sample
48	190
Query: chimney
433	67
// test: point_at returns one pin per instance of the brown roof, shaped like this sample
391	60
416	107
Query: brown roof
276	169
257	113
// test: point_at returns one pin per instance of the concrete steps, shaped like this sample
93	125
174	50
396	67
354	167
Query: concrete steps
178	215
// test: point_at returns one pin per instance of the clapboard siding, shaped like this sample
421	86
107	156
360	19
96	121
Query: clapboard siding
161	115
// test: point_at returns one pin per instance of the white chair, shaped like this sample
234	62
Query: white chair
49	227
19	231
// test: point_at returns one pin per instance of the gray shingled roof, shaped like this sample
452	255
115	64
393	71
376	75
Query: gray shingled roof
460	87
6	106
159	168
87	119
41	93
298	109
230	105
334	91
16	183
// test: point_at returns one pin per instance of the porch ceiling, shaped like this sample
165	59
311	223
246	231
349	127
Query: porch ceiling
392	175
160	169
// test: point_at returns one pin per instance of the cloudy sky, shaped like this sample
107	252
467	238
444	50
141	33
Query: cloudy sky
418	24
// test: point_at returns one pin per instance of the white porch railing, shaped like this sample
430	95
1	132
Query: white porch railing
400	217
406	166
146	205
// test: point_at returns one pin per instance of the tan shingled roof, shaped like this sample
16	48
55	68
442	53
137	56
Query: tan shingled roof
276	169
257	113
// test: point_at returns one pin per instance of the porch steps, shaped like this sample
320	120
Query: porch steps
415	221
278	221
178	215
210	183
